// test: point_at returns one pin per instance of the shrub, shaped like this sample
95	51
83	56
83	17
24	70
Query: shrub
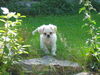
55	7
10	44
3	2
40	7
19	7
45	7
96	4
93	45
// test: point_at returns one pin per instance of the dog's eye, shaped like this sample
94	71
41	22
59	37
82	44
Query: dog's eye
44	33
50	32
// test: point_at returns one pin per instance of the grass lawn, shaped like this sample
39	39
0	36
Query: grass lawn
71	35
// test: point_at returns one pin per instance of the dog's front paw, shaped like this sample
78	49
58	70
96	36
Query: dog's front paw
54	54
46	52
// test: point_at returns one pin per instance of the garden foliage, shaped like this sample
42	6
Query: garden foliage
11	45
45	7
55	7
93	49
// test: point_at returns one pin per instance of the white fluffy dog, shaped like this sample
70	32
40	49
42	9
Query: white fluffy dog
48	38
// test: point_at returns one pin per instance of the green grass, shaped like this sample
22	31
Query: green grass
69	29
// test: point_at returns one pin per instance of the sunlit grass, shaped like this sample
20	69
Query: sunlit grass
69	29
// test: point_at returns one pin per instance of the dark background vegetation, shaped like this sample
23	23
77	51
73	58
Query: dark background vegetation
45	7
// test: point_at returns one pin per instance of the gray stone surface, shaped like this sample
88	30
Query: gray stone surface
87	73
49	60
50	64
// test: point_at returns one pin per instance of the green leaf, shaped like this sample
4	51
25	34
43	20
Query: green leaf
2	31
6	50
98	37
19	20
97	53
23	16
3	16
82	9
85	25
2	20
18	14
1	51
18	23
15	48
26	45
93	22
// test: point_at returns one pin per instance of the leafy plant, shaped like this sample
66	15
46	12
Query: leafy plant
58	6
96	4
93	54
11	45
44	7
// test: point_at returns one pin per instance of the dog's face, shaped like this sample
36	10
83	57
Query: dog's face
48	30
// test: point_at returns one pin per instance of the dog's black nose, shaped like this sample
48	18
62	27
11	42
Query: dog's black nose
48	36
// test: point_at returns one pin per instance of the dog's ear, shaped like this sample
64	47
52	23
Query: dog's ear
53	27
41	29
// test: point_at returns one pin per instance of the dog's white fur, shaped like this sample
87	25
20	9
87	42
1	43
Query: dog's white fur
48	37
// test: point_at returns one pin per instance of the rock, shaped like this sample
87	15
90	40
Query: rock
87	73
49	64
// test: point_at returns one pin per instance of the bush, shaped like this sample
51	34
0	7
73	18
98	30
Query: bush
93	48
55	7
45	7
10	44
19	7
3	2
96	5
